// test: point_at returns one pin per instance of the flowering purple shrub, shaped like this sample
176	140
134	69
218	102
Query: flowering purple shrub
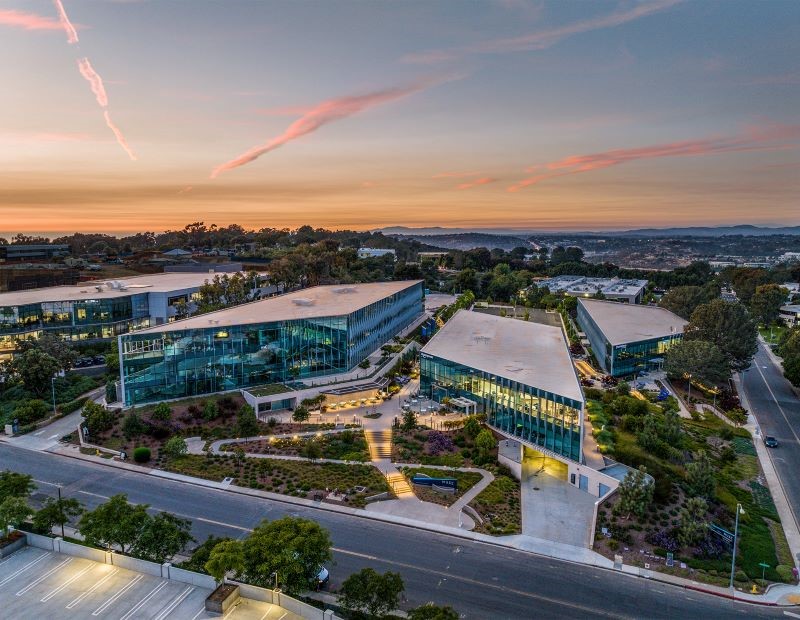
665	540
438	442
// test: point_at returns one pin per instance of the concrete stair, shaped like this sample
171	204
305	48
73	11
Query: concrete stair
380	444
399	485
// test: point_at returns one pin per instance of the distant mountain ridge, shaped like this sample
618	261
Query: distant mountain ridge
686	231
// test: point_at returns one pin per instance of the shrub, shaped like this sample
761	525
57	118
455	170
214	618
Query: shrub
141	454
162	412
785	573
73	405
31	411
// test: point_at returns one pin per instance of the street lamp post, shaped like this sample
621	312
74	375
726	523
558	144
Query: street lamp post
689	396
735	537
60	512
53	390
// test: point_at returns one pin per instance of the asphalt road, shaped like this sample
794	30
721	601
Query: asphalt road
777	410
479	580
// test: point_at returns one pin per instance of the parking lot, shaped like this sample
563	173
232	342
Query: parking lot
35	583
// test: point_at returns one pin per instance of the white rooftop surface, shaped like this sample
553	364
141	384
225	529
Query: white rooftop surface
154	283
624	323
530	353
309	303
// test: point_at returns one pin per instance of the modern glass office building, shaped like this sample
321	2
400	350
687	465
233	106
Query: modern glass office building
628	339
94	310
317	331
519	374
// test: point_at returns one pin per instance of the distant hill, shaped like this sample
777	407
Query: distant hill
687	231
468	241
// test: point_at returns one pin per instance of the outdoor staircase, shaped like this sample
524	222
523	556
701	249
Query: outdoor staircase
399	485
380	444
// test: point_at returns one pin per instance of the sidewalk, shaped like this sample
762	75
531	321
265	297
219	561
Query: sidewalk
776	595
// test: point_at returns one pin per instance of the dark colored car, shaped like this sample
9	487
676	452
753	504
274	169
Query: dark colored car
770	441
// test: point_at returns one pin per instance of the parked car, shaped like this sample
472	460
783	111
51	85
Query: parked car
323	576
770	441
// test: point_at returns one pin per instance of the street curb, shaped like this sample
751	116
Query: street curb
402	522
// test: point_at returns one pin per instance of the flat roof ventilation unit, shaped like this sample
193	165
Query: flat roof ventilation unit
303	301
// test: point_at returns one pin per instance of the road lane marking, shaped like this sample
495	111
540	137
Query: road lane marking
119	593
53	436
36	582
95	495
174	603
791	614
777	404
72	579
83	595
24	568
145	600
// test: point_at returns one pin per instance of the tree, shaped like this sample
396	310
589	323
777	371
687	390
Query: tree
472	427
226	557
210	410
765	305
13	512
247	424
369	592
35	369
485	442
292	547
174	448
162	537
790	352
429	611
311	450
682	300
56	512
162	412
700	478
728	326
13	484
97	418
692	521
635	493
115	523
409	420
132	425
698	358
54	346
300	414
31	411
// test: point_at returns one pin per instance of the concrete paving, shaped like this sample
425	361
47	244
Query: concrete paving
39	584
553	509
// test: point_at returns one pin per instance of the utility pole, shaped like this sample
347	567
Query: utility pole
735	537
60	512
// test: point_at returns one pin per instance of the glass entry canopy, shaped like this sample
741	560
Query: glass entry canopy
537	416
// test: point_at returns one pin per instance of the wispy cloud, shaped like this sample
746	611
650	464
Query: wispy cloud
72	34
771	137
27	21
285	111
322	114
542	39
476	183
95	81
118	135
454	175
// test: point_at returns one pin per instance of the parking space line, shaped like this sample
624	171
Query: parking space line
24	568
197	615
174	603
269	609
83	595
119	593
19	554
36	582
72	579
144	601
284	615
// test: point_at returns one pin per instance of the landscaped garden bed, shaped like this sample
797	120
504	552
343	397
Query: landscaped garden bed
466	480
499	504
297	478
702	469
347	445
456	448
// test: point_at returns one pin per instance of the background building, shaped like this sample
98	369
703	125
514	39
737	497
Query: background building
628	339
790	314
376	253
518	373
317	331
630	291
96	310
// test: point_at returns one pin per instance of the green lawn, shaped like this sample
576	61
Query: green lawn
774	334
270	389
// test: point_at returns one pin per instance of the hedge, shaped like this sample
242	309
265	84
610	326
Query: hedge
141	454
73	405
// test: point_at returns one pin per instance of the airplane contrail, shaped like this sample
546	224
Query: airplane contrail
72	34
118	135
95	81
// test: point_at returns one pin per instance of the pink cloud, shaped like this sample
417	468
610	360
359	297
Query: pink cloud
95	81
454	175
72	34
118	135
323	114
285	111
27	21
772	137
185	190
476	183
543	39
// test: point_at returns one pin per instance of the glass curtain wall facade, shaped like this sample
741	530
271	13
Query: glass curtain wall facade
87	319
623	360
179	363
542	418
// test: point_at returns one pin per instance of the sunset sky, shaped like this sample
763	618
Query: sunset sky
487	114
